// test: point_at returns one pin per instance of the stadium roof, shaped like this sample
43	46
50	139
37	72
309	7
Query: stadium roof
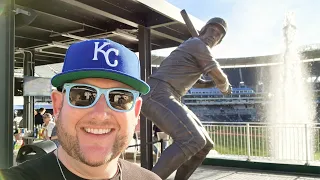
49	27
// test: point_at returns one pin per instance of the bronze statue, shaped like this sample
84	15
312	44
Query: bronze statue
179	72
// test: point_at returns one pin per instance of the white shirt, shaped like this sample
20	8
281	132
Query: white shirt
49	128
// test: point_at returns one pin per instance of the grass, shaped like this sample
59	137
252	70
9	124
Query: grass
233	140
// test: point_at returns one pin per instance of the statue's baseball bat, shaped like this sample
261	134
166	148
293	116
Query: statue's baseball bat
192	30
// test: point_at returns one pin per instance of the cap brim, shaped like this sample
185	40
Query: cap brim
67	77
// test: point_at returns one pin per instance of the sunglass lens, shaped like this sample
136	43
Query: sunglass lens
121	99
82	96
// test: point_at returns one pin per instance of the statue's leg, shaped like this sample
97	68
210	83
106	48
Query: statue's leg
188	167
170	116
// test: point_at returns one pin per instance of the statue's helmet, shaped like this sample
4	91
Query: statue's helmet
216	21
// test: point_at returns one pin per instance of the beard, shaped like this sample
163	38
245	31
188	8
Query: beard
70	144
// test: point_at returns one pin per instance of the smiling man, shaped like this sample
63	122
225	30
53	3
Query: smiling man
96	106
179	72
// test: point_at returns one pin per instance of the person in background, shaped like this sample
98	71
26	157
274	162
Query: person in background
17	121
48	126
38	120
54	136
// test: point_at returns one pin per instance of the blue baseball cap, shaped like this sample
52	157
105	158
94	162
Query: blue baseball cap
101	58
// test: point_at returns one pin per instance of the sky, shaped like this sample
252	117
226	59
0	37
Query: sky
255	26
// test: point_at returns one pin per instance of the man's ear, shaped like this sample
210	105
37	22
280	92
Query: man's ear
57	102
138	106
138	125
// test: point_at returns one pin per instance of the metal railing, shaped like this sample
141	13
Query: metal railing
266	142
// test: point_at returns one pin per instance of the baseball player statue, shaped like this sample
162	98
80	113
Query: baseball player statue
179	72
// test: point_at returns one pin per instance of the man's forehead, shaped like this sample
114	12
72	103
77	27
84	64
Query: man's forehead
102	83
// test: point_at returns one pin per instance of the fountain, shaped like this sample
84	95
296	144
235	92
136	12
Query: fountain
291	110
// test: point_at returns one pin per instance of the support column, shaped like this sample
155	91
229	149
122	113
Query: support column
145	125
28	105
7	32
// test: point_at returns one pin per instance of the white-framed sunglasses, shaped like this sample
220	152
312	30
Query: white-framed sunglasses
86	96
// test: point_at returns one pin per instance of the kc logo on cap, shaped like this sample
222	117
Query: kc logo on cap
99	49
101	58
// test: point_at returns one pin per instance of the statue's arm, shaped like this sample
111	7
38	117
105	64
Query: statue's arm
221	80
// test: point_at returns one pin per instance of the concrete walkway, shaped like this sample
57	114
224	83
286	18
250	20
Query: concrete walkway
226	173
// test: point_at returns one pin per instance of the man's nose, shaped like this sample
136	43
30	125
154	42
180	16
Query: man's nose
101	109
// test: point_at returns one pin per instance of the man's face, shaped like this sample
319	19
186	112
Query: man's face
212	35
73	125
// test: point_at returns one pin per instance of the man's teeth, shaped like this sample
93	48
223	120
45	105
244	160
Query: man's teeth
97	131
